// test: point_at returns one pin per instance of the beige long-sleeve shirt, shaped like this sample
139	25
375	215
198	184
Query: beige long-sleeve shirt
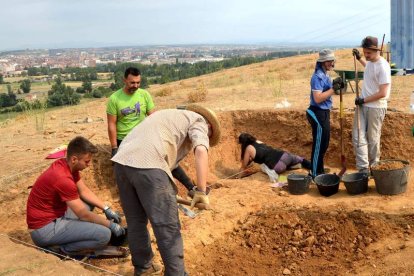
162	140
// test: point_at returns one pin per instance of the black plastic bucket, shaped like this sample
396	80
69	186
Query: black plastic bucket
298	184
355	183
328	184
391	182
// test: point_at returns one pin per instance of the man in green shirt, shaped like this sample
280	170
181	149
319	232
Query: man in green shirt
127	107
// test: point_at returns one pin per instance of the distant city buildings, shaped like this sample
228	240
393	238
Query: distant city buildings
15	62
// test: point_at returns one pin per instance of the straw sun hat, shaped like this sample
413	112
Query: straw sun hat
211	117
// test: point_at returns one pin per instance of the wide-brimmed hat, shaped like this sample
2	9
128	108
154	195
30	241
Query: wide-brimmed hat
370	42
326	55
211	117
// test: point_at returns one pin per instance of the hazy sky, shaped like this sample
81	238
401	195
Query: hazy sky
97	23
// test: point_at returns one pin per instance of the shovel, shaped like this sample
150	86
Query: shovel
357	107
187	211
341	123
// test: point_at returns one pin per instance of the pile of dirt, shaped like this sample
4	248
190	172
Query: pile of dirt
300	241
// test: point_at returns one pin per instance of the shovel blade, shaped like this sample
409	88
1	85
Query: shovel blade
187	211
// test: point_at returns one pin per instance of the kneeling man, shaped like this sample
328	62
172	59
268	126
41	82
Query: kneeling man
59	208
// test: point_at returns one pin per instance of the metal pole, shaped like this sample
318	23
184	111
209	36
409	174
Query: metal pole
357	106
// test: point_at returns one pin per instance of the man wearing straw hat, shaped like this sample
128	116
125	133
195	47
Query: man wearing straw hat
372	104
143	166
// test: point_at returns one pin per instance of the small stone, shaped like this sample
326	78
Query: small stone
389	247
53	117
333	213
298	234
286	271
283	193
368	241
310	241
48	131
321	232
88	120
408	227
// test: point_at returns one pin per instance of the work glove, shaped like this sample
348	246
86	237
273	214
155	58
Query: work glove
337	84
114	151
199	197
194	189
111	215
359	101
355	52
116	229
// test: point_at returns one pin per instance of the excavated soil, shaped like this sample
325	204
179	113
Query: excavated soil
388	166
303	241
254	229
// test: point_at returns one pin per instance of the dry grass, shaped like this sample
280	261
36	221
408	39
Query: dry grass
260	85
198	95
164	92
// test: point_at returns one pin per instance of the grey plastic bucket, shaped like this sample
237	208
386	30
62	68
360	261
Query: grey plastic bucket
298	184
328	184
355	183
391	182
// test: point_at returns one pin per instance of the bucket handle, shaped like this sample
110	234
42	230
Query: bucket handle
402	174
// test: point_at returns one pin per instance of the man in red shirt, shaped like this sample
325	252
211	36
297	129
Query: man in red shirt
59	206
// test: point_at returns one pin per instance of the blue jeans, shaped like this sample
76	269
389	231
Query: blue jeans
148	195
72	234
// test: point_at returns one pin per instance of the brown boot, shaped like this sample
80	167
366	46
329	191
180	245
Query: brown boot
155	269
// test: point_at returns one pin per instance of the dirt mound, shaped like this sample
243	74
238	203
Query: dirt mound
299	241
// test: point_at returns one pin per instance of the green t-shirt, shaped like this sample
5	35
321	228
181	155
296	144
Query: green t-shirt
130	110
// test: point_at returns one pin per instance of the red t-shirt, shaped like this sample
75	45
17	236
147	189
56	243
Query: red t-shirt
47	200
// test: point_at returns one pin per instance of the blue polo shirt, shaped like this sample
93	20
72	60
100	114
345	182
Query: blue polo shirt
322	82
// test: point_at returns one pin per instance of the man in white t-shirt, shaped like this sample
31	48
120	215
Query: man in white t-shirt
372	104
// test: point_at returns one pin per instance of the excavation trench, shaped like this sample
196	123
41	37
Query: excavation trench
254	229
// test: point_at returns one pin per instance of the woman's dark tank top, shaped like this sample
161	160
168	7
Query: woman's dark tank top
267	155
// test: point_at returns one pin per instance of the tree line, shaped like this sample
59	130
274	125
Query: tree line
61	94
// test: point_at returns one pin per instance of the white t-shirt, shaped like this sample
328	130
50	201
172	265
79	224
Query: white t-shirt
375	74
